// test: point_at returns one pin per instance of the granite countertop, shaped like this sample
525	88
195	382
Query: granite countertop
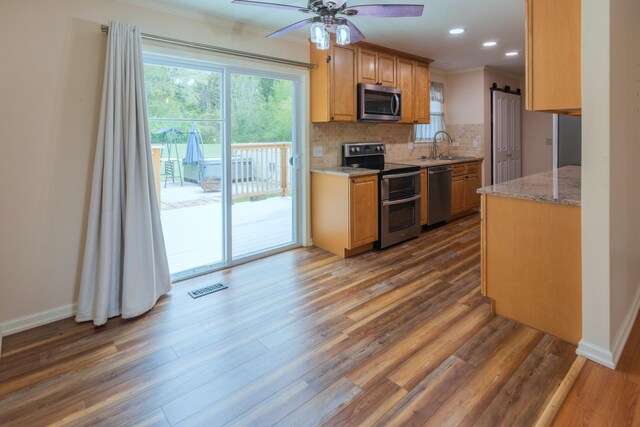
345	171
428	162
425	163
561	186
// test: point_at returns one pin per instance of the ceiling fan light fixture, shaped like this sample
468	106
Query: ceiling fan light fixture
323	41
343	35
317	32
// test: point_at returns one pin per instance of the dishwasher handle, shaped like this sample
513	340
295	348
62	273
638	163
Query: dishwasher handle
433	171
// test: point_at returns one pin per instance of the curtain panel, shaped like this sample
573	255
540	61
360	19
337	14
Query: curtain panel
426	132
125	268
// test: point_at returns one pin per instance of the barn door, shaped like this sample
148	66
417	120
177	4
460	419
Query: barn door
506	136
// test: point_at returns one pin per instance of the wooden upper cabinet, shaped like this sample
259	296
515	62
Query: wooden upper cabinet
387	70
421	94
376	68
405	77
343	87
339	70
333	84
553	56
367	66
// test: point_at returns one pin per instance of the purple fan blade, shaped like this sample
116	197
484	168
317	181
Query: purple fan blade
385	10
272	5
356	34
290	28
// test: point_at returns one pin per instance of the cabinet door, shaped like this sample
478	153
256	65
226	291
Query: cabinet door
471	197
457	194
405	77
424	201
553	68
363	206
343	84
387	70
422	97
367	66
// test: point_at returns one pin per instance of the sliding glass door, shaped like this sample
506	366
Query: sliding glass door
262	117
224	144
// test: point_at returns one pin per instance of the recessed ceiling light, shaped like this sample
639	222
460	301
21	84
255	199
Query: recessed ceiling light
489	44
457	30
512	53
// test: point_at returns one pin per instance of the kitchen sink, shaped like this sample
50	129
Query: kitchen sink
455	158
450	158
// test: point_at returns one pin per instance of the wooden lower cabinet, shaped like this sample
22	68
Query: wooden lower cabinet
363	211
465	182
457	195
531	263
344	213
424	193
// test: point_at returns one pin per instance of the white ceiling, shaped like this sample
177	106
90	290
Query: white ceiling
428	36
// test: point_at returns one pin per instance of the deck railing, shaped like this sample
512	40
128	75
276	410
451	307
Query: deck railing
261	169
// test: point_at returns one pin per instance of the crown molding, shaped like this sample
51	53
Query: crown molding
474	70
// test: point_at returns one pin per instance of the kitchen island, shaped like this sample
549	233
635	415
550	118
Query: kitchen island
531	251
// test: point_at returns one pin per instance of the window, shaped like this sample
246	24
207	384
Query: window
424	133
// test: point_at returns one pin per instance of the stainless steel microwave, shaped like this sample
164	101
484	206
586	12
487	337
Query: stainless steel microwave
378	103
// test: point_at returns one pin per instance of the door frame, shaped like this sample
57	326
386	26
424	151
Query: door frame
300	167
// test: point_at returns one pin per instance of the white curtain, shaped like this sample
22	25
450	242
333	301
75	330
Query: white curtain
426	132
125	268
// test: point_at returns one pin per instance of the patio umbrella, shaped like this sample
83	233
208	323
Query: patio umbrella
194	150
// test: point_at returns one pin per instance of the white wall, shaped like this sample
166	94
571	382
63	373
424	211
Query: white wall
625	174
537	130
52	65
610	176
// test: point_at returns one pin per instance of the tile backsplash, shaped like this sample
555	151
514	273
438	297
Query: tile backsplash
397	137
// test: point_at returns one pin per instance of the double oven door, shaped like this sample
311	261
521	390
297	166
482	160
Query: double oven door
399	208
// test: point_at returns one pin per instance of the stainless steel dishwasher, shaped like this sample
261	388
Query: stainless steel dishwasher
439	194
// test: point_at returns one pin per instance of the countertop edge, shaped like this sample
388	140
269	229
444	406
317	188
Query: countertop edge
346	173
564	202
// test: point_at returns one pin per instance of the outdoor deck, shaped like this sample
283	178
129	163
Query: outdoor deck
192	225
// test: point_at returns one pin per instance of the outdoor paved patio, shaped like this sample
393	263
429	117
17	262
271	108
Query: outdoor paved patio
192	225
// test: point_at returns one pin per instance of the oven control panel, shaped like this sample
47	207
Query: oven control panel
363	149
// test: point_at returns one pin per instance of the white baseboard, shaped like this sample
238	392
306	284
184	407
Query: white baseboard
37	319
622	335
596	353
606	357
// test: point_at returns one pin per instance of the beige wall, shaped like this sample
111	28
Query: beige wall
465	97
51	72
610	198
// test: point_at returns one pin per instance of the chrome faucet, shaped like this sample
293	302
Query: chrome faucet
435	142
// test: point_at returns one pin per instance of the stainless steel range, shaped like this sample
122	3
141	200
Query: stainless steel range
399	206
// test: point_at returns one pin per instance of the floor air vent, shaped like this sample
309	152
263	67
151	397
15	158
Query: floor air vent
207	290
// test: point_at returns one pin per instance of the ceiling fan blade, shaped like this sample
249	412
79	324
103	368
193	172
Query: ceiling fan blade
290	28
356	34
272	5
385	10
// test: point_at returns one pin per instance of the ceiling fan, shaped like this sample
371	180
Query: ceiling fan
330	18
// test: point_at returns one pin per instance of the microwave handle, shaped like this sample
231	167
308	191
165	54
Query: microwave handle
395	104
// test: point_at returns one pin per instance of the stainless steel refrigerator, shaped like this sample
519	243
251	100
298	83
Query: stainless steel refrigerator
567	140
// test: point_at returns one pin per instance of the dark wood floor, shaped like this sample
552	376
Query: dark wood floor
398	337
603	397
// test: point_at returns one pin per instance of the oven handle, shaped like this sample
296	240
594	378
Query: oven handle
397	202
400	175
